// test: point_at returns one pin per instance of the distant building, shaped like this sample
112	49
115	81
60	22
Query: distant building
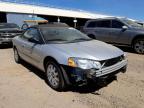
18	12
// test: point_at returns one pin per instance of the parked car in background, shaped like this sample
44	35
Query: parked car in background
66	55
8	31
120	31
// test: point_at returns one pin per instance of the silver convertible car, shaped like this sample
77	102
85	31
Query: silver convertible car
66	55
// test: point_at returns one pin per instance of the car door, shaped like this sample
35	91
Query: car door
102	30
36	50
31	48
118	34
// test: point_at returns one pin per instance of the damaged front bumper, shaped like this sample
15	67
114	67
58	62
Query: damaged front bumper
80	76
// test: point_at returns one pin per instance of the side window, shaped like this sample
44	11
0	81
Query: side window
91	24
32	33
101	24
104	24
117	24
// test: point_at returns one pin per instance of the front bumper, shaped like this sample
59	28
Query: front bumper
79	75
110	69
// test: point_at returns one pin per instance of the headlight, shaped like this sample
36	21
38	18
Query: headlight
84	63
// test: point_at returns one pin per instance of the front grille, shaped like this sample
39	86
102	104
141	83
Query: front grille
5	35
111	69
11	31
110	62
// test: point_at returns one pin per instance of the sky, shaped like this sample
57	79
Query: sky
126	8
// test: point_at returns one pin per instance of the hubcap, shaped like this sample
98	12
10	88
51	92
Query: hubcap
139	46
52	75
16	55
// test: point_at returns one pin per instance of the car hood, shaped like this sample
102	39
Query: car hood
138	28
94	49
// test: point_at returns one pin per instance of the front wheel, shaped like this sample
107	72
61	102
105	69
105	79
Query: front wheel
139	46
54	76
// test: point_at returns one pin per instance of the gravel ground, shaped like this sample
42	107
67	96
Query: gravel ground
23	86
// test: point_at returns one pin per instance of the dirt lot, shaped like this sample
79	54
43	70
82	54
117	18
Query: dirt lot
23	86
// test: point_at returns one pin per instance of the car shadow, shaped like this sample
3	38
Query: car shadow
5	46
91	87
34	70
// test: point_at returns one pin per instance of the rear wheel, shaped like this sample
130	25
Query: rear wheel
16	56
54	76
139	45
92	36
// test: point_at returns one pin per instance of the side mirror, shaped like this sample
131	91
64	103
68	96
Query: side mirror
34	41
124	27
24	26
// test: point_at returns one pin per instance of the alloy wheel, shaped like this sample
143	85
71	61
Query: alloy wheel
53	75
139	46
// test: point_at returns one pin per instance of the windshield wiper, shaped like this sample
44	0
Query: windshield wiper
56	40
81	39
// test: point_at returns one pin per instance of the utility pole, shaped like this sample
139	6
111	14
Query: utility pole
75	23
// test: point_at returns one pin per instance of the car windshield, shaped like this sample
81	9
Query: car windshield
5	26
63	35
131	23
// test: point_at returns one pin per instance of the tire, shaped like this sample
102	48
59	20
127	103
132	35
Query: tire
54	76
16	56
92	36
138	46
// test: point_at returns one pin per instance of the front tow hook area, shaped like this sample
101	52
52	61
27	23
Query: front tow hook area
104	81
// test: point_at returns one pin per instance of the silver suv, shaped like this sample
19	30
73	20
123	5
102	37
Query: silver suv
120	31
66	55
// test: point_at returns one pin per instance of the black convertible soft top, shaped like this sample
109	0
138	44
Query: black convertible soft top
53	24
